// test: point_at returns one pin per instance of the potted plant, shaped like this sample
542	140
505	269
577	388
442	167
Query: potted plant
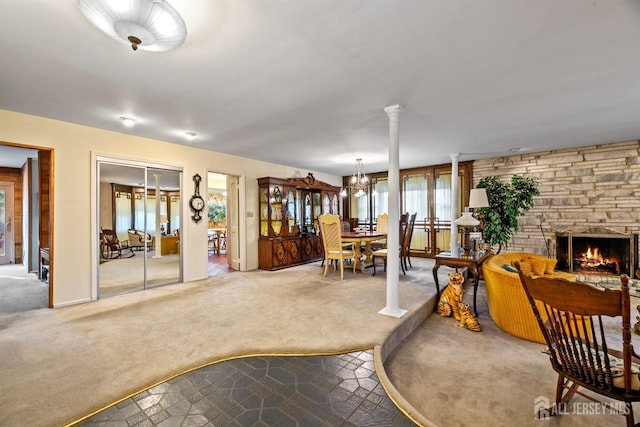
507	201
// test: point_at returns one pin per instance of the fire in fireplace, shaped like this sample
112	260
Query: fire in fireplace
597	253
593	261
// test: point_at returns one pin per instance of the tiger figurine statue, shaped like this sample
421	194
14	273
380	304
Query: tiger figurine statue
468	320
451	296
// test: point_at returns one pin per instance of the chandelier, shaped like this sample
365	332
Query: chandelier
152	25
359	183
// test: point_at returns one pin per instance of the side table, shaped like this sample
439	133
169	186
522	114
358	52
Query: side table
473	262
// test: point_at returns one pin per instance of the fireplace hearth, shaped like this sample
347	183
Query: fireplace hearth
597	253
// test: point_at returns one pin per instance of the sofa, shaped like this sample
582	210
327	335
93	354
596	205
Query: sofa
139	239
508	305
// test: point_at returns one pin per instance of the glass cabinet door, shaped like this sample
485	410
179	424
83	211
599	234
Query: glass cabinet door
276	210
326	204
316	210
291	211
264	210
307	211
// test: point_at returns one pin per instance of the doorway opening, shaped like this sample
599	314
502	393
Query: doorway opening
26	227
222	223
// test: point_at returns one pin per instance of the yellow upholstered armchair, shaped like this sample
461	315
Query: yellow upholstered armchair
507	302
139	239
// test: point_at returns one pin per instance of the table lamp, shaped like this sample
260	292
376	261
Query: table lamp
163	220
467	222
477	199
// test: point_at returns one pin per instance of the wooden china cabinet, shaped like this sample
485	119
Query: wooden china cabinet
289	229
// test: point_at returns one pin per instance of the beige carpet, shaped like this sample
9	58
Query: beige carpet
455	377
60	365
20	290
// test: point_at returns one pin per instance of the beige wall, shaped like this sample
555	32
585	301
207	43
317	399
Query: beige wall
581	189
74	146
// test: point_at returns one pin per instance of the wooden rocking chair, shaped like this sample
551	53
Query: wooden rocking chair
570	316
111	247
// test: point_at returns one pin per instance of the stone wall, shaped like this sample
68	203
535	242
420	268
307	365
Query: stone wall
595	188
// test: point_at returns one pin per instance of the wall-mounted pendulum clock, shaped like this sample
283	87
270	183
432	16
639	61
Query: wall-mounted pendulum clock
196	203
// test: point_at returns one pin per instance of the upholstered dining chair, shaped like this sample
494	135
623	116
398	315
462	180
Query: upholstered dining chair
381	226
334	248
570	316
405	233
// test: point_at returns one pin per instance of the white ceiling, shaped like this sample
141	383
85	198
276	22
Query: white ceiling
304	83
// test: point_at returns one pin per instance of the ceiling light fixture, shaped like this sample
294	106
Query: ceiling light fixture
190	135
359	182
128	121
152	25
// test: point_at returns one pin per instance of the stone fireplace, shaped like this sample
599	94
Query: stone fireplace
601	254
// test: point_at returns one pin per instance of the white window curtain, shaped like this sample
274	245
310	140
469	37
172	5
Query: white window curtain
443	197
175	213
415	194
140	214
151	215
363	208
380	197
416	197
123	215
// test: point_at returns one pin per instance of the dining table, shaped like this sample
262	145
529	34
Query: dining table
362	238
215	236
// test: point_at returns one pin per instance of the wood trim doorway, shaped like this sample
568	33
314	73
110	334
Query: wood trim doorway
45	187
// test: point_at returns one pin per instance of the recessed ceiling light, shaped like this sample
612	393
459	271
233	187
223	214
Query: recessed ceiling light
514	150
128	121
190	135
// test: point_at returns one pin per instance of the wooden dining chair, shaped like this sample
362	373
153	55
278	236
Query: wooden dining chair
383	253
570	316
334	248
407	249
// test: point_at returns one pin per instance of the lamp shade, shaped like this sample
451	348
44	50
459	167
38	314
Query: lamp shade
163	219
467	220
152	25
478	198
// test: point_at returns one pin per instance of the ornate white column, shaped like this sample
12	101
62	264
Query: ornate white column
393	230
453	241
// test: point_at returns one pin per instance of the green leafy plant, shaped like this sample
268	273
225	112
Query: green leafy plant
507	201
217	212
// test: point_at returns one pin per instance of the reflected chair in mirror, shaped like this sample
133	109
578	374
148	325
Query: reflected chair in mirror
111	247
382	253
334	248
570	315
138	240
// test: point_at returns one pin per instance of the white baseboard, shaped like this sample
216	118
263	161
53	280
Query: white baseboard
78	301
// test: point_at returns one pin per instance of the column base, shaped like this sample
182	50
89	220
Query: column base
399	312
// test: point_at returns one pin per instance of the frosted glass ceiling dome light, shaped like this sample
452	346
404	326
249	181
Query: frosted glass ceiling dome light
128	121
152	25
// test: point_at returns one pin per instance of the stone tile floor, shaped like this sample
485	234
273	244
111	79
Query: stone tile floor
338	390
